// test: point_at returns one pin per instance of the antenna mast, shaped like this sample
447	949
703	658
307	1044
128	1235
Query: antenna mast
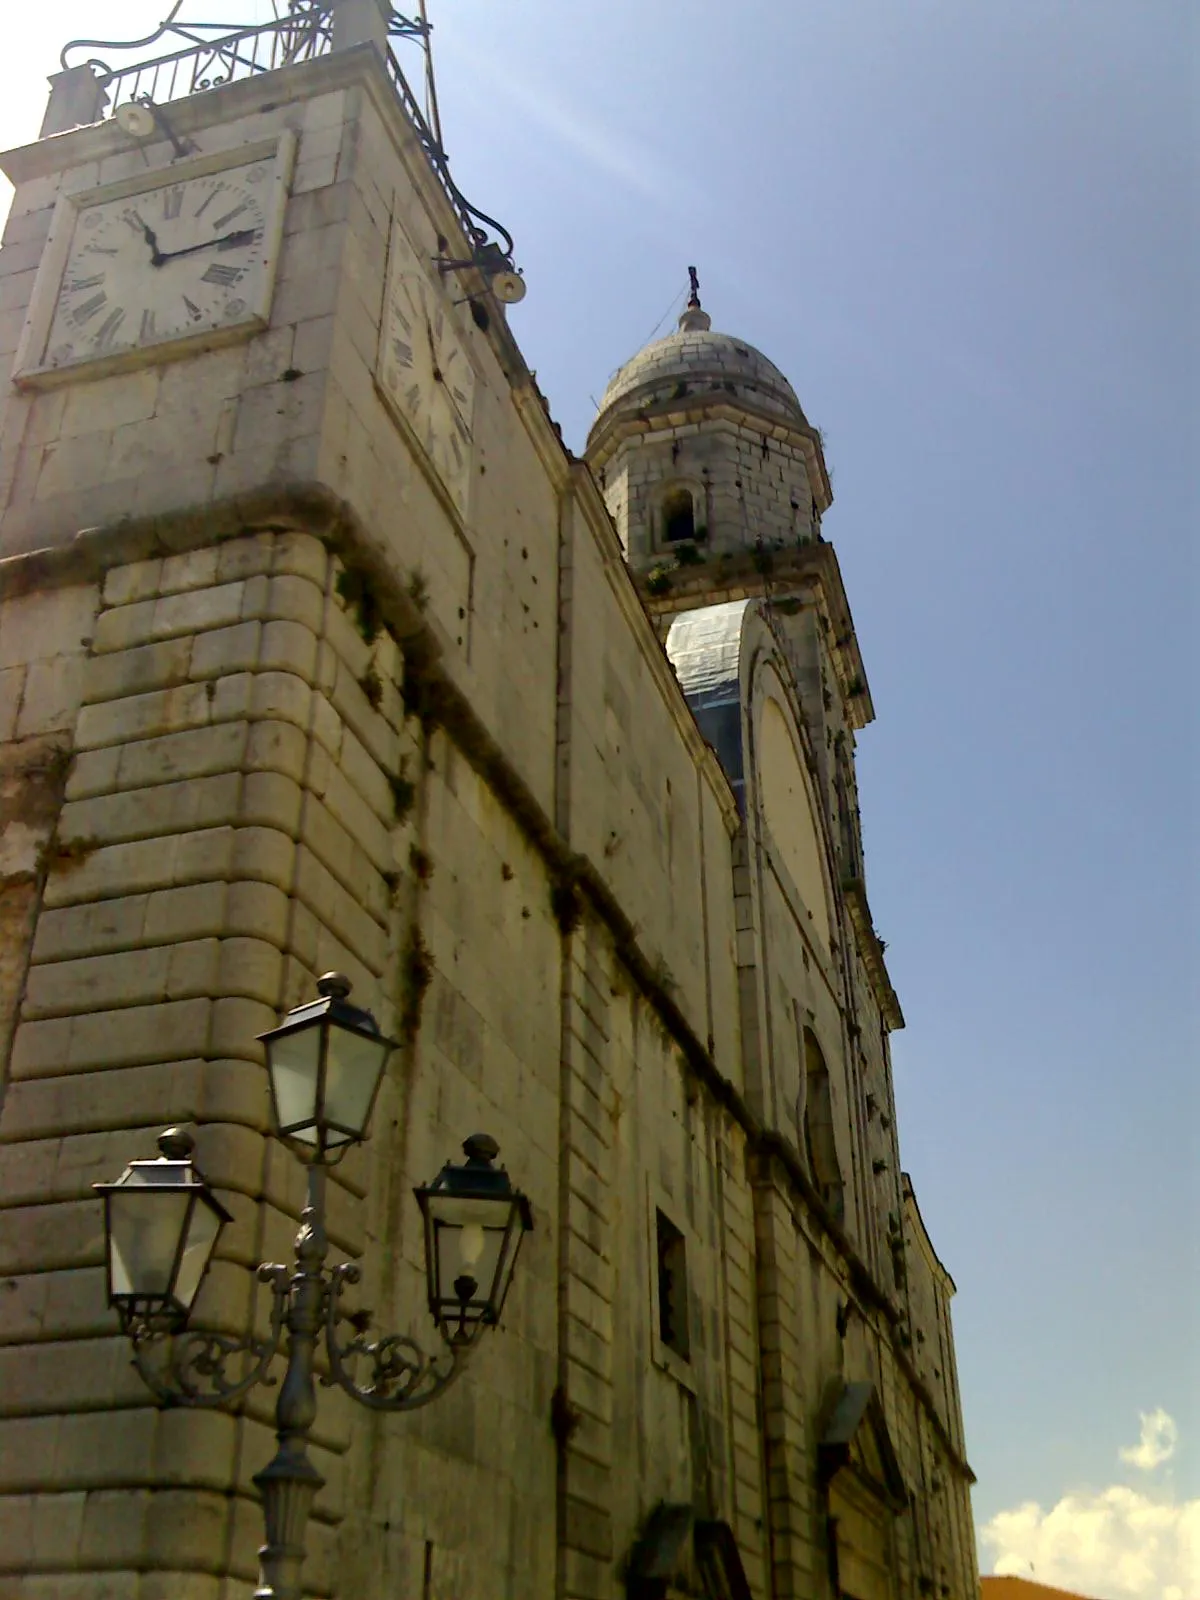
432	115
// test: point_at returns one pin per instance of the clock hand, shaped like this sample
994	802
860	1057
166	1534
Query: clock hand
245	236
433	355
156	256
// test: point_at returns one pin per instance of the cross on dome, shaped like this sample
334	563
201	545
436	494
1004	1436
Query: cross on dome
694	319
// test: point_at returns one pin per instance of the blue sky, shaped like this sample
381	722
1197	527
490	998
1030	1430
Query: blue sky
966	233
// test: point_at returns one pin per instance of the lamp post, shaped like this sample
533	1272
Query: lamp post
162	1221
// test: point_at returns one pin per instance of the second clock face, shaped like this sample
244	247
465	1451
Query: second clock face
425	371
162	265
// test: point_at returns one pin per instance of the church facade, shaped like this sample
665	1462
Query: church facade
312	658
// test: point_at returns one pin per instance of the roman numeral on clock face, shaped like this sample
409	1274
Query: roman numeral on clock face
172	202
88	309
223	222
225	276
107	331
204	205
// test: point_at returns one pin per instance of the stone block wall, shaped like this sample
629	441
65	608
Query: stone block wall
228	831
244	800
44	642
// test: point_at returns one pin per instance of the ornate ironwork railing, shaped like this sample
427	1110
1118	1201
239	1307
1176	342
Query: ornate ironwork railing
476	224
212	54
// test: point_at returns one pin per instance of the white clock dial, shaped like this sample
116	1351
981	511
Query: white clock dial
425	371
160	265
174	260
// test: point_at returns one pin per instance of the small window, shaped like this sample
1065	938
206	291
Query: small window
672	1286
679	516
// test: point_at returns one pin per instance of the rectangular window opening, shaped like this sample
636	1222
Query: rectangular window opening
672	1286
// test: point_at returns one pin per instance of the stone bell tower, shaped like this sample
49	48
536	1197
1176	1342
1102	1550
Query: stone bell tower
717	483
703	450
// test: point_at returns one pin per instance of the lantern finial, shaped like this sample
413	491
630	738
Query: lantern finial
176	1144
325	1062
480	1149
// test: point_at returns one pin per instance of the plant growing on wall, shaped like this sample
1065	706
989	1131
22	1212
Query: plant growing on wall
566	905
404	790
416	976
354	590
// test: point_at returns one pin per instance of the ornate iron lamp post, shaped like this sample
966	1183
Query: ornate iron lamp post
162	1222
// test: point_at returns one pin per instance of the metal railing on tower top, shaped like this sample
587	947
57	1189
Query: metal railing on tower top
211	54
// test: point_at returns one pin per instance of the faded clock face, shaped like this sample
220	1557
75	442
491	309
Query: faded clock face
161	265
428	376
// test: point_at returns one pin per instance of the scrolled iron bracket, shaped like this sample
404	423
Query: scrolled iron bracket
189	1368
402	1376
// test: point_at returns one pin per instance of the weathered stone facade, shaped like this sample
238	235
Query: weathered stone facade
270	706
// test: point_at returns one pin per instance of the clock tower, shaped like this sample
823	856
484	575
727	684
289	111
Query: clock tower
259	401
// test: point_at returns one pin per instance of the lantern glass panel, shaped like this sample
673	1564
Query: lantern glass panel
146	1223
472	1250
353	1068
203	1226
295	1060
507	1260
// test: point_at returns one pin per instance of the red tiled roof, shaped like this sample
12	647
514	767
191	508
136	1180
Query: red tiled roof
1025	1589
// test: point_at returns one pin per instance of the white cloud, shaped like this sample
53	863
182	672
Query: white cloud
1117	1543
1157	1443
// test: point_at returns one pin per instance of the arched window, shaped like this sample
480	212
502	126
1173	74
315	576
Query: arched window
820	1146
678	516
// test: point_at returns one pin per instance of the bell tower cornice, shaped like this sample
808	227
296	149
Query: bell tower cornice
690	410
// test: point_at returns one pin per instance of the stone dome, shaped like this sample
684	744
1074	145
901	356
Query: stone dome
694	363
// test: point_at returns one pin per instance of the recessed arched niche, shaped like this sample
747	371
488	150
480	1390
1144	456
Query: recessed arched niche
819	1132
790	813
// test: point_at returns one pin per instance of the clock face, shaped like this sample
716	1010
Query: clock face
161	265
425	372
180	256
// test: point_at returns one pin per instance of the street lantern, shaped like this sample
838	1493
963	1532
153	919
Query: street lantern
161	1222
474	1223
325	1062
